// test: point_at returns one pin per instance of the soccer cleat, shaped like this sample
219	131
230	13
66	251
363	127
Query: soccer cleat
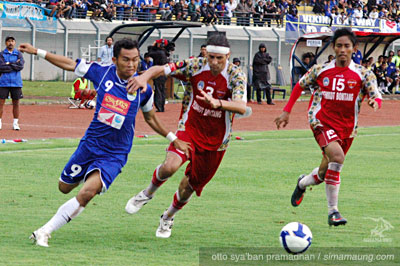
136	203
41	238
336	219
165	227
298	193
16	126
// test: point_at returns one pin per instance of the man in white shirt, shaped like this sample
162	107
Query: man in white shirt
106	52
358	13
230	6
374	14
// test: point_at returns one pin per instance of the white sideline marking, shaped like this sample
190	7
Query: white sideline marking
48	126
164	145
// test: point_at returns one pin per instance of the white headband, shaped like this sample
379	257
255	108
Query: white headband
217	49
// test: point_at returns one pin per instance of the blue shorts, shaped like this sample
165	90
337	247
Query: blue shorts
88	158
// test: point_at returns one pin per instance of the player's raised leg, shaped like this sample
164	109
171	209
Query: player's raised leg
69	210
316	177
160	175
181	198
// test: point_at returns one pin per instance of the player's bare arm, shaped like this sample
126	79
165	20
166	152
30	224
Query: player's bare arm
283	120
57	60
153	121
141	81
236	106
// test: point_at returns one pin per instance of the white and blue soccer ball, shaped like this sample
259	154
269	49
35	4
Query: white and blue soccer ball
295	237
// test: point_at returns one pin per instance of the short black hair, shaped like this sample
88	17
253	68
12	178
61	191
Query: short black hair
344	32
304	56
203	46
109	37
10	38
218	40
125	43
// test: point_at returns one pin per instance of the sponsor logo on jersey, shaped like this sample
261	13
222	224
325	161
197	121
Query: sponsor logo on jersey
200	85
110	118
326	81
115	104
220	94
131	97
351	83
212	82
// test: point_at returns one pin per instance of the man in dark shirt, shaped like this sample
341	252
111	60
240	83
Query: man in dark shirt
159	51
261	74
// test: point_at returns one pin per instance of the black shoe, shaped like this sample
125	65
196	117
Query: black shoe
298	193
336	219
271	103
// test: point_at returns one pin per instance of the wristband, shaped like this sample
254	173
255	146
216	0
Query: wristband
41	53
220	104
171	137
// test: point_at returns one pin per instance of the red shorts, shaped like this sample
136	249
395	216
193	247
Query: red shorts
203	163
78	95
325	135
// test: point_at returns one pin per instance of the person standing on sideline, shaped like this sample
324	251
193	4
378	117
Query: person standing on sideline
106	52
158	51
261	74
340	87
103	151
10	80
145	64
218	92
203	51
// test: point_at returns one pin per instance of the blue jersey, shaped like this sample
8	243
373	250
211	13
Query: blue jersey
113	125
391	69
357	57
108	139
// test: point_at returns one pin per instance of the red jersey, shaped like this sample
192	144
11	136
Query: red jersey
338	93
209	128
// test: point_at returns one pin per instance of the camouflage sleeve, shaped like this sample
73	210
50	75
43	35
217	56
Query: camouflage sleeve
370	85
185	69
310	77
238	83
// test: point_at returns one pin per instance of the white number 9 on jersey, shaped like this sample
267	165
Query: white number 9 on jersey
109	84
75	169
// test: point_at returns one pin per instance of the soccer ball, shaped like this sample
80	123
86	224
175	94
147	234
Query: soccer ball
295	237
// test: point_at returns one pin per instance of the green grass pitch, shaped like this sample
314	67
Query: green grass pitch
244	206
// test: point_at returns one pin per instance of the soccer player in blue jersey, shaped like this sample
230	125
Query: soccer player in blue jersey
103	151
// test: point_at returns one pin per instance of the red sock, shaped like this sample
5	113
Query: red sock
155	180
178	204
332	177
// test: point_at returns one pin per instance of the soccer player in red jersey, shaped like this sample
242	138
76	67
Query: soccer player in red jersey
340	87
217	92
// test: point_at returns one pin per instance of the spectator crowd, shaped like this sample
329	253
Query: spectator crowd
243	12
346	9
263	12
